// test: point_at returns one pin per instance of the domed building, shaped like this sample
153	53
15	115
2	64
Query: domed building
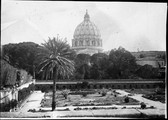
87	38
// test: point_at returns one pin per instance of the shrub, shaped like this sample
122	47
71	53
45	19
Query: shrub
25	77
8	74
126	99
84	94
32	87
23	93
13	103
65	93
143	105
84	84
158	90
103	92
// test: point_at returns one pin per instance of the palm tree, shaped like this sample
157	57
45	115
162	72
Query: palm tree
56	59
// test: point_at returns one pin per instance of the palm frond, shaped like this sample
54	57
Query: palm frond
56	54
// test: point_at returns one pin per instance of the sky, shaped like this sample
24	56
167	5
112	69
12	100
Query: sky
132	25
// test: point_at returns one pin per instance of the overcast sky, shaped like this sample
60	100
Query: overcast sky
132	25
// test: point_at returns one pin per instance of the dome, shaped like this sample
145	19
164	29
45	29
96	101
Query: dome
87	29
87	38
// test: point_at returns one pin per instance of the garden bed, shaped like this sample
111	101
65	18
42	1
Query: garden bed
155	97
91	99
152	94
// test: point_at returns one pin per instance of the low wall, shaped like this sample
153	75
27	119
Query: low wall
114	84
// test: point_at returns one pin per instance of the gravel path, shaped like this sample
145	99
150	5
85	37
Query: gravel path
139	97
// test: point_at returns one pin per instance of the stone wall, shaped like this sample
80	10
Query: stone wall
99	85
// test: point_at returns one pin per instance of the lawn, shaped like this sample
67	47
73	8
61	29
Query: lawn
93	98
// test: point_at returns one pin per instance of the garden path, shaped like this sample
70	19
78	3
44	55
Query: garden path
33	102
139	97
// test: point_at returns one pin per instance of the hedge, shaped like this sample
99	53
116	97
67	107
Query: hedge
6	107
8	74
23	93
11	76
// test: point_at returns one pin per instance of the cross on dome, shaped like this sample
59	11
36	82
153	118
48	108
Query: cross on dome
86	17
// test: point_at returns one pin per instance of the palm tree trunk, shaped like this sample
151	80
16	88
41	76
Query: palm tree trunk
54	90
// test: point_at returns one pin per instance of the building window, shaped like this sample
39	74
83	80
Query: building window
76	43
98	43
93	43
88	42
81	43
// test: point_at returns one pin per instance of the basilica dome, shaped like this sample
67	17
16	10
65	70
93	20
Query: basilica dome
86	29
87	38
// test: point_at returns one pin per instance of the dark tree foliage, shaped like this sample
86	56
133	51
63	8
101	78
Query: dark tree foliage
100	63
21	55
82	66
122	64
95	72
147	72
8	74
82	59
11	76
141	55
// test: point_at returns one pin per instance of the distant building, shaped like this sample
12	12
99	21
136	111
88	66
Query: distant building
155	62
87	38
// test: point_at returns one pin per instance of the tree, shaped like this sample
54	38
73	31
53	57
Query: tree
95	72
8	74
141	55
56	59
122	63
82	65
147	72
100	63
21	55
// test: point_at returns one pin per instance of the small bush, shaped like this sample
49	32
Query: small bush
84	94
103	92
126	99
23	93
158	90
85	84
65	93
13	103
77	108
143	105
